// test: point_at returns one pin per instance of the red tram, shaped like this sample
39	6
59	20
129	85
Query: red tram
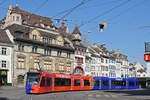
43	82
62	82
39	82
77	82
87	82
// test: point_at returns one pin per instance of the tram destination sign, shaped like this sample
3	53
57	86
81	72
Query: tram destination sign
147	47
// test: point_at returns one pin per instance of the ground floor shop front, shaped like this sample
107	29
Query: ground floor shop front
3	77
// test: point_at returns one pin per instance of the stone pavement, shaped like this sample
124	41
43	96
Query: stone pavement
18	93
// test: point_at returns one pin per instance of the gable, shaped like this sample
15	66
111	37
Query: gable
60	41
35	33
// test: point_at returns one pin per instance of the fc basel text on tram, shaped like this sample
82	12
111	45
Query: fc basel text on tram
44	82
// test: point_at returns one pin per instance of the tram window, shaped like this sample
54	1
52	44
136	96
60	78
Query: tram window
131	83
42	82
118	83
48	81
123	83
105	83
137	83
86	83
67	82
96	82
113	83
62	82
77	82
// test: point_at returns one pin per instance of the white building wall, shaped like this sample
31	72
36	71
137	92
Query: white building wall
112	68
148	69
8	59
118	70
105	72
125	68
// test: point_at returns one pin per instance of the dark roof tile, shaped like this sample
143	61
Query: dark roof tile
4	37
26	30
76	31
32	19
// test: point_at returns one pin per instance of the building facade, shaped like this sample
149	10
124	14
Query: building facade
6	59
38	45
80	50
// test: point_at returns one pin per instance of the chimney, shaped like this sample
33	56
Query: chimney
16	5
10	7
63	24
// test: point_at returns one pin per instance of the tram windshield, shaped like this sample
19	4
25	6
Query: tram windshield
33	78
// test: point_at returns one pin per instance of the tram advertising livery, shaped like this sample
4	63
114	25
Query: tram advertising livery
44	82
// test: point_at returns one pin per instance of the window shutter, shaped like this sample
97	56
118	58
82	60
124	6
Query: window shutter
0	50
8	51
7	64
1	64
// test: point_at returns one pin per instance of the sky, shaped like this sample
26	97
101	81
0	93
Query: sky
127	21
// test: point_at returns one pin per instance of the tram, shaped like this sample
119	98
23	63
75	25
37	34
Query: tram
45	82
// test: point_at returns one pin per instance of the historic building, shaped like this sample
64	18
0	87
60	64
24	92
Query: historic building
88	60
80	50
122	63
104	59
112	68
139	69
99	58
39	45
95	69
132	70
6	59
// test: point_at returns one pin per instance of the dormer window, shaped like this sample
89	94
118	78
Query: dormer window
42	25
1	26
36	24
17	19
34	37
19	34
24	22
13	18
48	27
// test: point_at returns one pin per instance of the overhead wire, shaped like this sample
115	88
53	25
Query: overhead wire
38	8
123	12
126	10
62	12
97	5
143	27
69	11
74	8
3	2
101	4
106	12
